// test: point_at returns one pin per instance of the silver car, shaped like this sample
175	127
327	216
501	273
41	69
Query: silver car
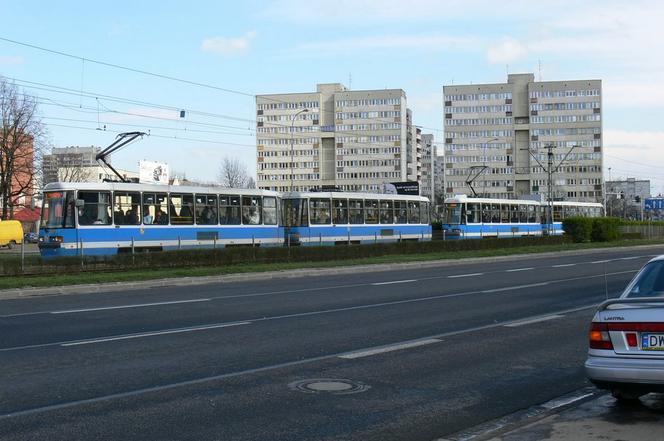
626	350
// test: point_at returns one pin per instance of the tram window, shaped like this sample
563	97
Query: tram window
340	211
386	212
181	209
486	213
356	211
270	210
154	209
206	209
532	214
424	212
96	209
319	211
495	213
400	212
523	214
514	213
126	208
295	212
371	211
251	210
473	213
504	213
557	213
413	212
229	209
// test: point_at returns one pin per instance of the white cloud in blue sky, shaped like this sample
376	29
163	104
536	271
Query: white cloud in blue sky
279	46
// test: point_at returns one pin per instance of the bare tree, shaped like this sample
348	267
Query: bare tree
74	173
22	137
233	174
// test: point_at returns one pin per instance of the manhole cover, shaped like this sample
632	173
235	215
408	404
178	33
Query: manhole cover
329	385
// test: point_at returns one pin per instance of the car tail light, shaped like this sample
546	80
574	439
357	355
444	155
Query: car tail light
631	339
599	336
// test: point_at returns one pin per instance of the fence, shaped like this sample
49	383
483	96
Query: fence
645	231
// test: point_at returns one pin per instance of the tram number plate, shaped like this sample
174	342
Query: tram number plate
652	342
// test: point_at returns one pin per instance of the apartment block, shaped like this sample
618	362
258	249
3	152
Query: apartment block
429	154
354	140
77	164
499	136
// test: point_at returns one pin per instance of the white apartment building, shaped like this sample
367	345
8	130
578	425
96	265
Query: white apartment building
77	164
429	154
501	134
334	137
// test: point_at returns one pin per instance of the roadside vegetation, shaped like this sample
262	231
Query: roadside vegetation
196	263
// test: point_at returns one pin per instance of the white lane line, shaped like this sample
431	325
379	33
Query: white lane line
511	288
563	265
391	348
394	281
560	402
535	320
600	261
465	275
519	269
151	334
631	258
139	305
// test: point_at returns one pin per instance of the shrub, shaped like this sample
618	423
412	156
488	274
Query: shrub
605	229
580	229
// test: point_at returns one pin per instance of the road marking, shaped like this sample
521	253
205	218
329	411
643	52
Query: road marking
465	275
140	305
151	334
560	402
535	320
563	265
394	281
360	307
288	364
391	348
600	261
518	269
632	258
511	288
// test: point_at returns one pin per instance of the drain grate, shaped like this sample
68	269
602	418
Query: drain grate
329	385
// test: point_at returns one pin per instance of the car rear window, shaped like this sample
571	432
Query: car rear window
649	282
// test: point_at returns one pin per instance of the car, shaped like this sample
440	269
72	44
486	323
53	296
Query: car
626	341
31	238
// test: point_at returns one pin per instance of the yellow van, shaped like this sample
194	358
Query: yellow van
11	233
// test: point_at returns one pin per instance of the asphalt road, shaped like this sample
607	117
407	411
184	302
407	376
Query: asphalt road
412	355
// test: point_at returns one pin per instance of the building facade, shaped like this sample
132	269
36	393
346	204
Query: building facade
429	154
334	137
500	135
626	198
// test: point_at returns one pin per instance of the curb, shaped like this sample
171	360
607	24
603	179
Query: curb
17	293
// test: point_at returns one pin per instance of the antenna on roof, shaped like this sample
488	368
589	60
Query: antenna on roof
539	69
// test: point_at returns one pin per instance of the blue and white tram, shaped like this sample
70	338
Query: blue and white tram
110	218
565	209
475	218
336	218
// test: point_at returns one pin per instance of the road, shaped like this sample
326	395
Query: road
417	354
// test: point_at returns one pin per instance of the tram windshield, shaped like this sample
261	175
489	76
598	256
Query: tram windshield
58	210
453	213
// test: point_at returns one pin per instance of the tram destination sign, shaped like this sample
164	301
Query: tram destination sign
650	204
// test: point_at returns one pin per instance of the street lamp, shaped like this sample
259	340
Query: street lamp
293	118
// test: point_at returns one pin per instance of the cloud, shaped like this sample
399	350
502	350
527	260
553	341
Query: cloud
635	154
228	46
506	50
9	60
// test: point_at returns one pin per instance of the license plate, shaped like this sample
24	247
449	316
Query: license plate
652	342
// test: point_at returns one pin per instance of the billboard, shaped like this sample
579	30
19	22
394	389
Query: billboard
151	172
409	188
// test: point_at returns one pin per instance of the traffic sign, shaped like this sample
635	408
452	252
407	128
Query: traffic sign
653	204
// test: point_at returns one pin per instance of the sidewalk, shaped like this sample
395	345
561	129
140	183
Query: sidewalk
602	418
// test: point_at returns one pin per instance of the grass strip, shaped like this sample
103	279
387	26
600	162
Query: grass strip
162	273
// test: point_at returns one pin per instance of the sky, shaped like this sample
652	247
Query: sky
226	52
